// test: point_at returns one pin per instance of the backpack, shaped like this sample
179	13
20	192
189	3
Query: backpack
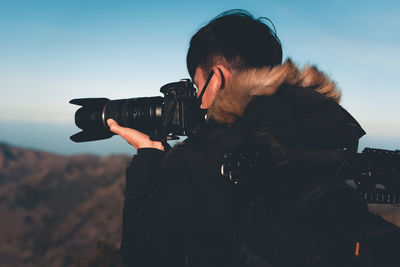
298	215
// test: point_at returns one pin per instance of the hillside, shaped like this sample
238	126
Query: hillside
60	210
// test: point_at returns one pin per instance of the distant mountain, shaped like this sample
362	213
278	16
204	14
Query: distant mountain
54	137
60	210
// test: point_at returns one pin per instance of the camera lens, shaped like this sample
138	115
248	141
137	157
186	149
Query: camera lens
143	114
89	117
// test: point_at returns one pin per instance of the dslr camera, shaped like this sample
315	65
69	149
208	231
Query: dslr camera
178	113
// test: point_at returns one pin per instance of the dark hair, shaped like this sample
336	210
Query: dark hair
237	39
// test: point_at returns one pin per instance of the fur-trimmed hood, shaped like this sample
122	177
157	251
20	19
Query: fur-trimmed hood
230	103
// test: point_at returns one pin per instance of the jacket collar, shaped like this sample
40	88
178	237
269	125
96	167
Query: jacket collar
230	103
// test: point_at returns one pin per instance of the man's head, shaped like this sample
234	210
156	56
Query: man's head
232	42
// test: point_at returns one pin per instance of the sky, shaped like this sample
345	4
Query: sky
54	51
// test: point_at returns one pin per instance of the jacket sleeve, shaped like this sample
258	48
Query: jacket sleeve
157	201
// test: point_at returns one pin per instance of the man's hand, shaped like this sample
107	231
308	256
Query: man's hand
134	137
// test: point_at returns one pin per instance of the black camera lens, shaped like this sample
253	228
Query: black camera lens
177	113
89	117
143	114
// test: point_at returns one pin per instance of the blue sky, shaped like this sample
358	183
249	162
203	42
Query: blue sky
53	51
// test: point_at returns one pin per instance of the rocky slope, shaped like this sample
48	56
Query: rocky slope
58	210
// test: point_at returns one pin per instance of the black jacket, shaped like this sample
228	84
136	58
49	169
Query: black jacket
179	210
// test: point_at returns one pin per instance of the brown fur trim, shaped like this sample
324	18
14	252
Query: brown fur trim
230	103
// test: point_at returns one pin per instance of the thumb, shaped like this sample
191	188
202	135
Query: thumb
114	127
132	136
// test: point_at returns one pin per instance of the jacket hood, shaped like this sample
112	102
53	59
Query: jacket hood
299	107
230	103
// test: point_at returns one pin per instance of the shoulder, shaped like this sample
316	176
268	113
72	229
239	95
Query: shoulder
191	148
197	152
181	158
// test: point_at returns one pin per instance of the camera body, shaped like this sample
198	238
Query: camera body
178	113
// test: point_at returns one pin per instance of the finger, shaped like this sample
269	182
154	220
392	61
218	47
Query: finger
123	131
114	127
110	121
132	136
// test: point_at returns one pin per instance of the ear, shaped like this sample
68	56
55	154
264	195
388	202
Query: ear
223	75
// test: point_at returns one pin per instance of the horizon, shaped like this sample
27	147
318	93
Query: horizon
54	138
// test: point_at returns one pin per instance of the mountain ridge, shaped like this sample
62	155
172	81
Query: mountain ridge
55	209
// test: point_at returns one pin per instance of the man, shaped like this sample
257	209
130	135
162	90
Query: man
179	210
